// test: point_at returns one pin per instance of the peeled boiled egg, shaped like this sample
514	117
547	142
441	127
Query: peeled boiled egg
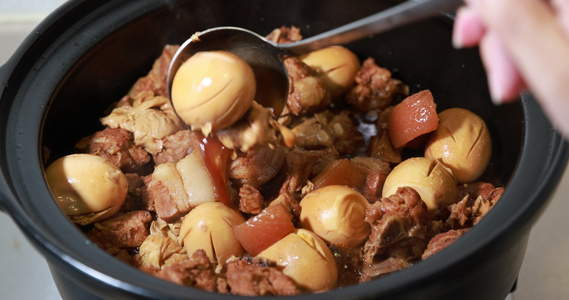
209	227
336	213
86	187
213	89
432	181
462	142
306	259
337	65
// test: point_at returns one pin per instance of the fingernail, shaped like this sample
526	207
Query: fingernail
457	40
496	89
457	32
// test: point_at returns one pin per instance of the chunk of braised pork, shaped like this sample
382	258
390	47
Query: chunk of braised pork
117	146
257	166
380	145
365	174
257	128
398	226
375	172
375	88
307	92
327	129
122	231
159	199
304	164
441	241
285	35
250	200
150	118
196	272
257	277
476	201
178	146
289	202
155	80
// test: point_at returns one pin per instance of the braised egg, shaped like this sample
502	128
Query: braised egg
336	213
86	187
432	181
212	89
462	142
209	227
337	65
306	259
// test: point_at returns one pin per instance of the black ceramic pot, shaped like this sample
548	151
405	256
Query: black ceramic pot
87	54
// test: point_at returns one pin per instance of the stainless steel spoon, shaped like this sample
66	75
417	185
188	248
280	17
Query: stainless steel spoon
266	57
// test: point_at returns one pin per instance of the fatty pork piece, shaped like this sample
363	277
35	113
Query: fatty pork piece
257	166
155	80
375	88
117	146
177	146
327	129
150	118
256	277
174	189
477	200
398	226
257	128
307	92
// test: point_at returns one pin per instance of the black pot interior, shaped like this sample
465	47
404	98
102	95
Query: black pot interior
107	54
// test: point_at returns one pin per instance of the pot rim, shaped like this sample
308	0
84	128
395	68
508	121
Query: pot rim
539	137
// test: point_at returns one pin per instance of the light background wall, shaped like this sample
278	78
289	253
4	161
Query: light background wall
18	11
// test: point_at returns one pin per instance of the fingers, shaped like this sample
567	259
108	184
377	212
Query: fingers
468	28
504	79
535	38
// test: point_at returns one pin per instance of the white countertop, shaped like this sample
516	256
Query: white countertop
544	274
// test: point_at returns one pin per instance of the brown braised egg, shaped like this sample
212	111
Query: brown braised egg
212	90
86	187
336	213
462	142
306	259
433	181
209	227
337	65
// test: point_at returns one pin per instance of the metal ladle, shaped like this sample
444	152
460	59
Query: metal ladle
266	57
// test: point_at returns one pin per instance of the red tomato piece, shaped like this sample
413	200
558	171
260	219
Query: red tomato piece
264	229
414	116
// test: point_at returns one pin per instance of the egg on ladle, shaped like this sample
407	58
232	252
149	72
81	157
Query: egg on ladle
212	90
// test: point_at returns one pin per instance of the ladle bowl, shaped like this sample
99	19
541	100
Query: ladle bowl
266	57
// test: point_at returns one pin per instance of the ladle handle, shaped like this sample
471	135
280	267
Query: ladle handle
402	14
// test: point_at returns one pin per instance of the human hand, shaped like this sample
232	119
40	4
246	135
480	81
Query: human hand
523	44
